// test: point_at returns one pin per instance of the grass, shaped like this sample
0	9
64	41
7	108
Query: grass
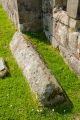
17	102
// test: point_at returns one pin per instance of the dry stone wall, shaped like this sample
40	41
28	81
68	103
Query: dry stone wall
60	20
63	32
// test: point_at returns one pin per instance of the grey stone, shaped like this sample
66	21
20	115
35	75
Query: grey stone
65	54
70	59
75	64
73	41
54	42
64	18
61	34
39	77
30	12
74	24
3	68
78	48
73	8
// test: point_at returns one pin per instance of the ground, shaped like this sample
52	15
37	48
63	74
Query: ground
17	102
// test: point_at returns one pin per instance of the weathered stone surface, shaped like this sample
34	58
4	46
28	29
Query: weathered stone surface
35	71
3	68
61	31
73	8
64	18
30	14
73	62
78	48
54	42
61	34
73	41
74	24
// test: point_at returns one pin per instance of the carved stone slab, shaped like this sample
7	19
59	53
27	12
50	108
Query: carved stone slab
38	75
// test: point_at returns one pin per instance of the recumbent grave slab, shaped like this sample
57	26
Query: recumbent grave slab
38	75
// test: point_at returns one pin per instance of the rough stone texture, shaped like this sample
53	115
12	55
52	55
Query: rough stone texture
73	8
71	60
3	68
39	77
63	31
30	14
73	41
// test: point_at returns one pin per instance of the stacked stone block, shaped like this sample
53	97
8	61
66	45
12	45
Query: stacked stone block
62	29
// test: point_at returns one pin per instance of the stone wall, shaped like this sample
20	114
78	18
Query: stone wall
63	33
11	8
61	23
30	15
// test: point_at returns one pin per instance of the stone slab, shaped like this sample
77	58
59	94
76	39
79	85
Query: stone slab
38	75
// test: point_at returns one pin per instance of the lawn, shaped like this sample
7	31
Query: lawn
17	102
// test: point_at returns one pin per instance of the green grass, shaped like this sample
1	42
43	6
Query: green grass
16	100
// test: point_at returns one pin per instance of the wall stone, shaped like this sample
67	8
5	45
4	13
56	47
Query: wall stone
63	33
39	77
30	14
73	8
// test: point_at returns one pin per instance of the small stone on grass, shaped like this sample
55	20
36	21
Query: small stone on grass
3	68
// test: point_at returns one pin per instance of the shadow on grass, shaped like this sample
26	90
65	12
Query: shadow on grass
59	101
39	36
67	105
